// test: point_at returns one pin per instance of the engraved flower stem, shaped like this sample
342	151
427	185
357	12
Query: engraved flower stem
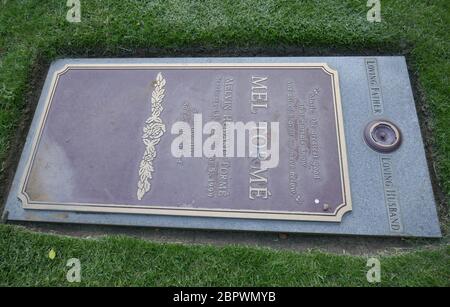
152	132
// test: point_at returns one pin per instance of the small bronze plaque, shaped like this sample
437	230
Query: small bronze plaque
263	141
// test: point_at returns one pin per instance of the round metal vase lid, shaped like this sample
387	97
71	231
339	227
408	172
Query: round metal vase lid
382	136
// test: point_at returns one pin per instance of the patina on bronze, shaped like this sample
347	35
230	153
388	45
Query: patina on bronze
105	142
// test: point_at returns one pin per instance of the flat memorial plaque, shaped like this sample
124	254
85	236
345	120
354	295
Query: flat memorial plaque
270	144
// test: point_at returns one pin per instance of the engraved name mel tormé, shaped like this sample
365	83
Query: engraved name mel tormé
228	139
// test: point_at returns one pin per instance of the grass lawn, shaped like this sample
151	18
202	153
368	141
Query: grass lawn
123	261
33	33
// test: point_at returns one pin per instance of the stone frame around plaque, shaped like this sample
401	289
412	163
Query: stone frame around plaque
371	205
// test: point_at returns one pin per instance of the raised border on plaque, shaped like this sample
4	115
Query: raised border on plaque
336	216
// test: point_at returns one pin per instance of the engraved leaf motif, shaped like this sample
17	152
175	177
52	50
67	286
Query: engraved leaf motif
152	132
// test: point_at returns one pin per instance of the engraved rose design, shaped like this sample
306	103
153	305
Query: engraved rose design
154	129
152	132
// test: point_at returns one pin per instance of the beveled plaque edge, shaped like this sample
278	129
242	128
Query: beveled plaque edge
336	216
